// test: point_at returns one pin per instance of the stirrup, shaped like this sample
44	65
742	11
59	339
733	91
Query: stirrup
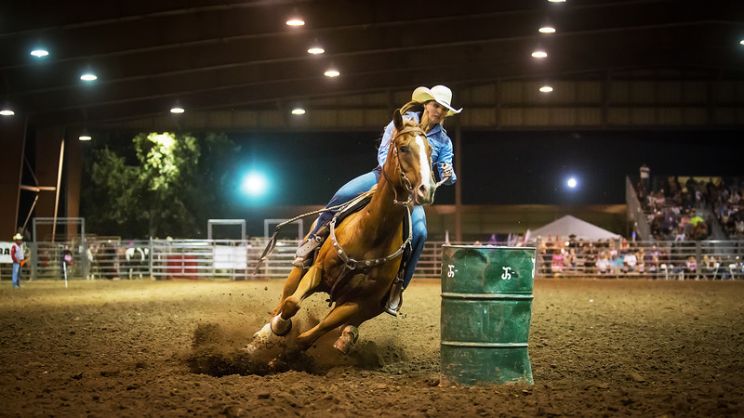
306	249
395	298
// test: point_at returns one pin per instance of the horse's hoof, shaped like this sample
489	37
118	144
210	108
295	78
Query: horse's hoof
348	338
280	326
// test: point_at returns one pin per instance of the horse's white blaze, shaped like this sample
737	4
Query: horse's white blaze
423	162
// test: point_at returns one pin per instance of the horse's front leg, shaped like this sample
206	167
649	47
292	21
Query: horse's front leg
290	286
282	323
337	316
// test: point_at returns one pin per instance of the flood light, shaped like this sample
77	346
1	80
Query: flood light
331	73
295	22
39	53
254	184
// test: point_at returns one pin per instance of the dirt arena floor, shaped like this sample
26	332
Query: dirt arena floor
171	348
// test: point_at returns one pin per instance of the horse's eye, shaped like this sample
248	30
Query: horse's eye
404	148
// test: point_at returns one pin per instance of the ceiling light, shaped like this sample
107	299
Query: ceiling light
546	89
315	50
39	53
540	54
85	137
89	77
547	29
295	21
557	1
741	42
6	112
176	110
298	111
332	73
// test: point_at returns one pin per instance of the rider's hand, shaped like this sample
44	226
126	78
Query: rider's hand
446	171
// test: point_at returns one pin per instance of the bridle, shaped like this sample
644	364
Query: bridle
404	180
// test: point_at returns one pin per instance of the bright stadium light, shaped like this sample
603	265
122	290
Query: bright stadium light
254	184
39	53
89	77
332	73
572	183
295	22
547	29
315	50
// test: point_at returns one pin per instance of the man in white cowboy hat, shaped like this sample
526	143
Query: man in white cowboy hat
19	259
428	107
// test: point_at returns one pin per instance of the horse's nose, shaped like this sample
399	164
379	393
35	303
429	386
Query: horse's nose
424	193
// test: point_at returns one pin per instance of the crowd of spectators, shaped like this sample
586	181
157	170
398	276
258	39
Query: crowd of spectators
727	199
675	210
615	258
675	206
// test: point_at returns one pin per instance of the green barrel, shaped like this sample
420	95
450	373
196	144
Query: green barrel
486	309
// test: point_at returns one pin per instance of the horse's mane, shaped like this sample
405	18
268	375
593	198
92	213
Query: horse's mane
411	107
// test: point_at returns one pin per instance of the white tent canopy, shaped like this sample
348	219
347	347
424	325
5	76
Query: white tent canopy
568	225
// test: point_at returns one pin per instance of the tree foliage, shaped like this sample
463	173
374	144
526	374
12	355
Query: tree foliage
170	190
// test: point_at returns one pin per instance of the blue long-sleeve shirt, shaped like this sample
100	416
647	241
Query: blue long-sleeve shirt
441	146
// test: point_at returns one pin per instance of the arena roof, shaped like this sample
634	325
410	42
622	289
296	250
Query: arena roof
150	56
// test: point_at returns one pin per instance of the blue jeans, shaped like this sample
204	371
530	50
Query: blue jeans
363	183
16	275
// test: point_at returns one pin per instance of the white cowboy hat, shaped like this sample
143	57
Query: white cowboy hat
17	237
440	94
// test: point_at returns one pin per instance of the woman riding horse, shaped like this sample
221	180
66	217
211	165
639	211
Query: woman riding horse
359	261
428	108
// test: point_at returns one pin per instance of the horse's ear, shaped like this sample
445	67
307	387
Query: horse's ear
397	119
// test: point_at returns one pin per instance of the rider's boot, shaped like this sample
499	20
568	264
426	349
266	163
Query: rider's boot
305	250
395	298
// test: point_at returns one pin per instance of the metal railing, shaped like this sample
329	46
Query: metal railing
200	259
656	259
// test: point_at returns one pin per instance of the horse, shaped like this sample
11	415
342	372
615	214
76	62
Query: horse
360	260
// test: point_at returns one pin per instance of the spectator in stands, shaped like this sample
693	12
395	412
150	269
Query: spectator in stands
691	268
629	262
603	262
710	267
641	260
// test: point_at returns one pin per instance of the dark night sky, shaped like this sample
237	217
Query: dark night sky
500	167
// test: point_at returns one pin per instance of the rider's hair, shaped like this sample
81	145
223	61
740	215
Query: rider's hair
419	107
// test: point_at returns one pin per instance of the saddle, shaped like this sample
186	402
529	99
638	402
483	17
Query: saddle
309	249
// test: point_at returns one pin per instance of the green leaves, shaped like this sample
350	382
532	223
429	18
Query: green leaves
170	190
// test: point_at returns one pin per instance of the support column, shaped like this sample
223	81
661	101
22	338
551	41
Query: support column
12	145
458	184
73	175
48	143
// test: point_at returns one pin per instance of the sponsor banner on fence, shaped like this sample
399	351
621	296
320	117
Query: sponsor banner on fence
5	253
230	257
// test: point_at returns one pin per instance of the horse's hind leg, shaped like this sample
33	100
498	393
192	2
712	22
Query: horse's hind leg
350	333
281	323
337	316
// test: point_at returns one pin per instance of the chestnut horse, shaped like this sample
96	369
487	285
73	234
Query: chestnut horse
359	261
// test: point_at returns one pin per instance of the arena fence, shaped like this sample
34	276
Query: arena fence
203	259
